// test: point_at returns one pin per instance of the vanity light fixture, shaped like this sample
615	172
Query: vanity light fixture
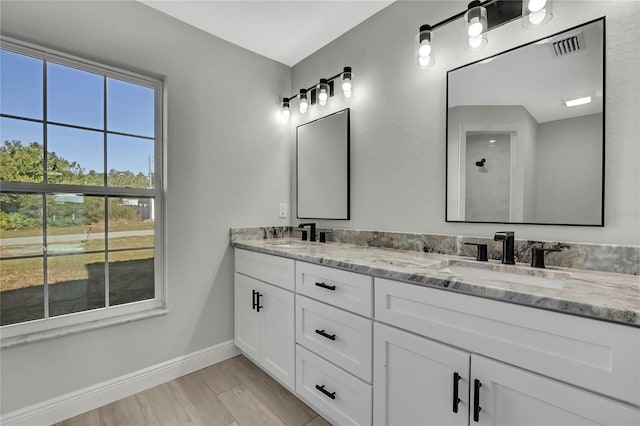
323	91
319	93
578	101
480	18
304	103
536	12
285	108
346	82
476	26
425	51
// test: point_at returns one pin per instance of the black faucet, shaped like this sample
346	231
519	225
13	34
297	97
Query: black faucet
508	246
537	256
312	231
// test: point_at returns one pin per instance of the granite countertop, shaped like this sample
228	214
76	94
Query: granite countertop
597	295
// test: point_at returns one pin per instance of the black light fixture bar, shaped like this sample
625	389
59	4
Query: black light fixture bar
311	90
499	12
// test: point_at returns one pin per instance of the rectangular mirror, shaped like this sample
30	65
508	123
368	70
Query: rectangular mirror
518	148
322	167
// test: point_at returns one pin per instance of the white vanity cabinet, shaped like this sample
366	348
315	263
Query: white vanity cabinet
366	351
413	375
264	313
334	334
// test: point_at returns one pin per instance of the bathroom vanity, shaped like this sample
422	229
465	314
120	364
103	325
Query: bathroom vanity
381	336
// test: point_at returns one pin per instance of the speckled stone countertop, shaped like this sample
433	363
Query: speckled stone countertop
597	295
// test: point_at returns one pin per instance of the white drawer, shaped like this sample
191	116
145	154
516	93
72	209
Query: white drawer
346	290
592	354
343	338
265	267
345	400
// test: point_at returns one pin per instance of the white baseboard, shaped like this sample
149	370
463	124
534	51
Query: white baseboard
74	403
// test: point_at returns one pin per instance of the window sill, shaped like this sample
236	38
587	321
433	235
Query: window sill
39	336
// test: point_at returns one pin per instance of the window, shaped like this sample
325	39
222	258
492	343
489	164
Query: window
80	191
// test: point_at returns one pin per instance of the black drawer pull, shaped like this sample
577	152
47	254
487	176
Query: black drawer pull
328	287
476	400
331	395
253	300
328	336
456	399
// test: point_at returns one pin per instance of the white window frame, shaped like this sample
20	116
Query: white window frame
46	328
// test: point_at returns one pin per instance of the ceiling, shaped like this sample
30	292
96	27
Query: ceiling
285	31
536	78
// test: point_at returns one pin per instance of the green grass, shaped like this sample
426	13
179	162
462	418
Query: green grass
114	226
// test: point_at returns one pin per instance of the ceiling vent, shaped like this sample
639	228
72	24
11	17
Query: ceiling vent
568	45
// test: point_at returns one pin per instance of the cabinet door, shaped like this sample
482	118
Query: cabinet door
510	396
414	380
277	333
246	317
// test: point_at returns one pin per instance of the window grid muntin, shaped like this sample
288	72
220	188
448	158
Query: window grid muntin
155	193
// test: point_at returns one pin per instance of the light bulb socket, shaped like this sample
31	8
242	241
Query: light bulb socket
473	4
346	73
424	33
476	11
285	103
303	94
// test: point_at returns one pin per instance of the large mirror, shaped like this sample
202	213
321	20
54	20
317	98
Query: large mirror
525	133
322	167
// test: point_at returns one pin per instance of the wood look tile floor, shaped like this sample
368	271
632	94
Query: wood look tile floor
232	393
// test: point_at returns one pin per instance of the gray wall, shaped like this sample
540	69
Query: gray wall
398	116
228	154
569	152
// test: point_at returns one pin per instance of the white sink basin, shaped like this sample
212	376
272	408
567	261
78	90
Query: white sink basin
291	244
506	274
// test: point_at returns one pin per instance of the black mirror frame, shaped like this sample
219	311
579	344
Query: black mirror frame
348	216
604	81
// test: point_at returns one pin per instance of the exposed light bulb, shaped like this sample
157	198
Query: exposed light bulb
475	42
323	96
475	27
424	61
346	88
424	49
286	113
285	108
536	18
536	13
536	5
